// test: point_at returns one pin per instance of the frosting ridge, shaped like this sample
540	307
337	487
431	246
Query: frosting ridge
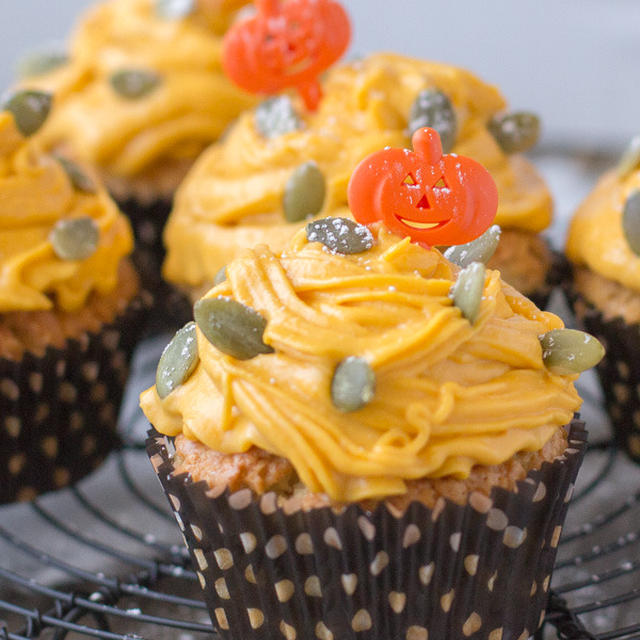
190	107
596	238
449	394
37	193
232	198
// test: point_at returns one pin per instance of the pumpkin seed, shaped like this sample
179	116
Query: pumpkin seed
220	277
631	221
276	116
479	250
304	193
174	9
353	384
78	178
38	63
75	238
630	159
232	327
568	351
467	291
340	235
178	360
134	83
432	108
30	109
515	132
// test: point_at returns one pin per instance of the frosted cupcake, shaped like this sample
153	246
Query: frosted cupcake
369	441
281	164
603	245
69	310
140	95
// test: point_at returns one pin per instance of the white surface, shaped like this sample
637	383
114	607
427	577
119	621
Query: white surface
574	62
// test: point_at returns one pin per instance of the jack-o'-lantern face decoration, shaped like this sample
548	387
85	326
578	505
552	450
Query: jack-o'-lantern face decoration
286	45
433	198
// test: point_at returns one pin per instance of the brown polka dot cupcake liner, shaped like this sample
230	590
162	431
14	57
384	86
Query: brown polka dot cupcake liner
147	222
476	571
618	371
171	307
556	275
58	412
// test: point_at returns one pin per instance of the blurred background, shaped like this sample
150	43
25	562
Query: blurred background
574	62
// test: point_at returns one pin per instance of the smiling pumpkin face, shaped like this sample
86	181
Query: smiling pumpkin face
433	198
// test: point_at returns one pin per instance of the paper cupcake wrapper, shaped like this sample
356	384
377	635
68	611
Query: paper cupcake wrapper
171	308
58	412
618	371
556	275
476	571
147	221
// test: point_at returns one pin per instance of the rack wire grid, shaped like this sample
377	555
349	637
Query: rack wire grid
90	563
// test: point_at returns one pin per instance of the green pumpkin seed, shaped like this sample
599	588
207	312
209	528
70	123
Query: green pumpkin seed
75	238
276	116
40	63
479	250
630	159
174	9
631	221
220	277
232	327
178	360
304	193
78	178
340	235
432	108
353	384
515	132
30	109
134	83
468	289
568	351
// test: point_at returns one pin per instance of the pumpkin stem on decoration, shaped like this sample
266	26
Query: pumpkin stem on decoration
426	143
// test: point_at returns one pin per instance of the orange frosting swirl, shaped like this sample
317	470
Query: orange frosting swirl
596	238
449	394
35	194
232	198
189	108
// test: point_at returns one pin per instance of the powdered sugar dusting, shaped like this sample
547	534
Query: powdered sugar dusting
340	235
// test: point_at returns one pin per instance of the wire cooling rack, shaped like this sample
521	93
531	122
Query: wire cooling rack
90	563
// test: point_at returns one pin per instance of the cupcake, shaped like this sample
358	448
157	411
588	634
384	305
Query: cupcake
139	96
603	245
70	310
368	441
280	164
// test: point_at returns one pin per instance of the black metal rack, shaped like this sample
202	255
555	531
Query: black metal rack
80	564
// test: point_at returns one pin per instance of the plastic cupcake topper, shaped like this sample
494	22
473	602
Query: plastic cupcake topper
434	199
286	44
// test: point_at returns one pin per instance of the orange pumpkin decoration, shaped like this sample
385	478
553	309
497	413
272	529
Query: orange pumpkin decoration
435	199
286	45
